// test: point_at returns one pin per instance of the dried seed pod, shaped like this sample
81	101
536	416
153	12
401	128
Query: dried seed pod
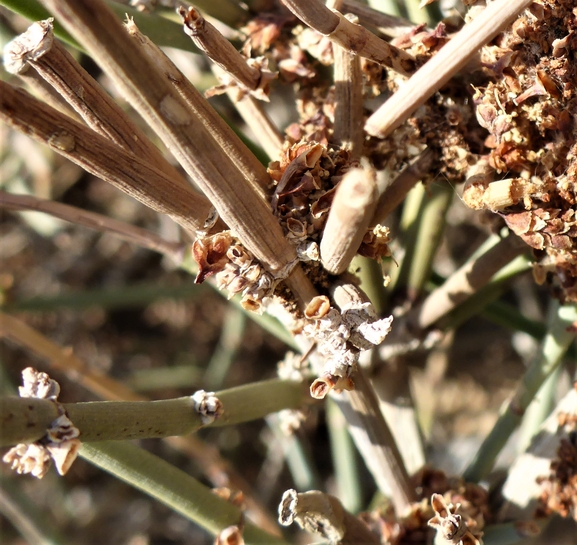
318	307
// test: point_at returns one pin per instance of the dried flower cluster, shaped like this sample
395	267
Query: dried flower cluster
234	267
472	502
559	489
60	444
528	104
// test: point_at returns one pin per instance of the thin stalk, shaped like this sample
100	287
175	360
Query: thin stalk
344	459
443	66
418	14
348	131
349	36
259	122
218	49
37	48
386	20
555	345
408	229
324	516
98	222
131	296
396	191
63	360
34	525
25	420
158	378
432	221
163	31
512	533
464	282
228	345
224	136
539	409
155	98
298	458
480	300
521	490
172	487
100	157
370	273
351	211
375	442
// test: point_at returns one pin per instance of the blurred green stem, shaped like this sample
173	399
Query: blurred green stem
344	459
372	281
25	420
173	487
555	345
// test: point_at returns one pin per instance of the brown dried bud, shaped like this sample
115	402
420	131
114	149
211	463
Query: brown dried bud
318	307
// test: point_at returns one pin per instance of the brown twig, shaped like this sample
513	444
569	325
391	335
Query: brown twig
351	37
147	88
351	211
38	48
396	191
100	157
348	125
443	66
98	222
226	139
218	49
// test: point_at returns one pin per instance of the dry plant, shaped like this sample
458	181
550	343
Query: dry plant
330	232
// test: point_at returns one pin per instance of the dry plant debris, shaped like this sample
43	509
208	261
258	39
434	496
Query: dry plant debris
60	444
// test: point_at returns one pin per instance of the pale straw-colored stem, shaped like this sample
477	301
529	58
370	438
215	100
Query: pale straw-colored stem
42	90
38	49
351	37
98	222
465	281
367	425
396	191
259	122
443	66
323	516
389	25
218	49
350	214
147	88
100	157
226	139
348	126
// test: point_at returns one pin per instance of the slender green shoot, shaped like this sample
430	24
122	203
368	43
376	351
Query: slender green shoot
555	344
172	487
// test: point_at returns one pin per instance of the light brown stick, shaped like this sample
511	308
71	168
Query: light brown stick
100	157
443	66
348	126
464	282
351	37
350	214
148	90
389	25
38	48
226	139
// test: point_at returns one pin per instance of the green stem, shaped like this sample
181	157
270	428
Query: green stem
372	281
344	459
509	533
25	420
555	345
173	487
431	228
